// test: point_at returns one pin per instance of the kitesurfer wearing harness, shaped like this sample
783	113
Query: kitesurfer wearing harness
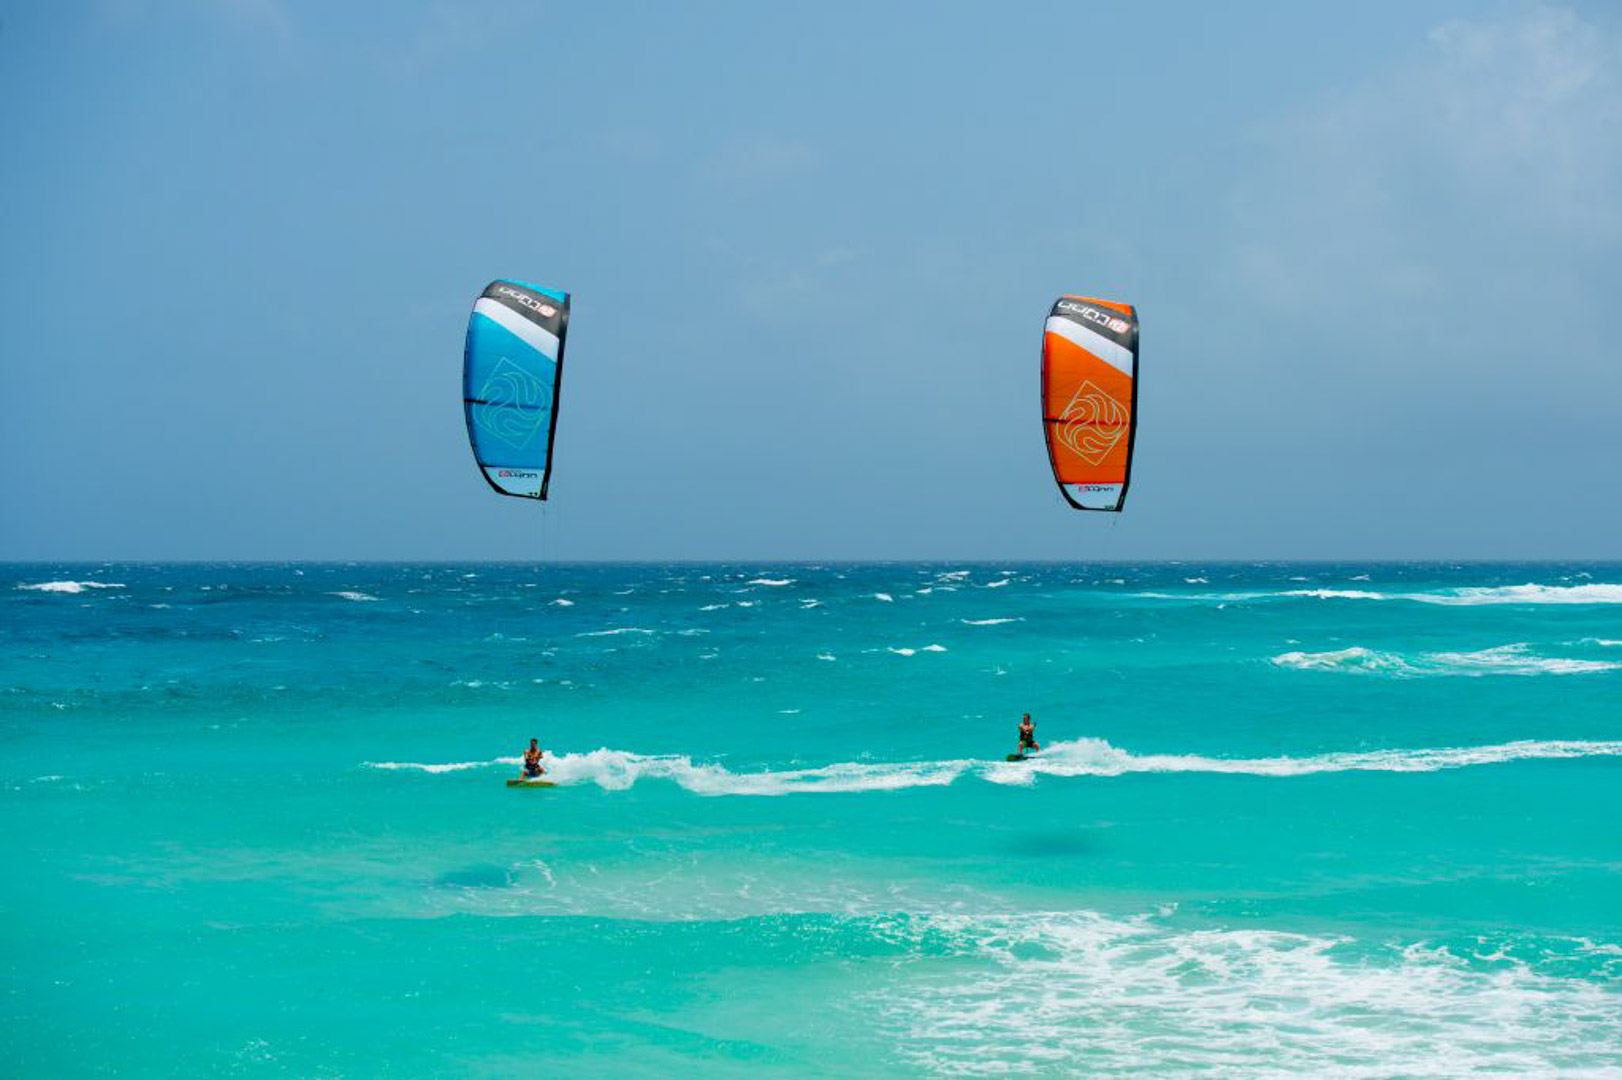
1027	736
532	760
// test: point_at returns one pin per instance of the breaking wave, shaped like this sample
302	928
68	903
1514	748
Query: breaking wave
1135	996
1454	597
1504	660
616	770
72	586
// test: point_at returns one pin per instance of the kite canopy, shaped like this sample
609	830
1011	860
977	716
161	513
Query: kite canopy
511	370
1090	398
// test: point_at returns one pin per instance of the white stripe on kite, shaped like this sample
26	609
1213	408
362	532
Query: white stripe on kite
1097	496
538	338
1116	356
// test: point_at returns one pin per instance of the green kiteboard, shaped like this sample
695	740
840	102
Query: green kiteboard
530	783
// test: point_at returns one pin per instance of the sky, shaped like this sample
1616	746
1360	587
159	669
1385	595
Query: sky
1376	250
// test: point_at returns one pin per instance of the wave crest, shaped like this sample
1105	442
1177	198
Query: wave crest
1467	596
1513	659
72	586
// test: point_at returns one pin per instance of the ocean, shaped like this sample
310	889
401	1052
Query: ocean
1327	820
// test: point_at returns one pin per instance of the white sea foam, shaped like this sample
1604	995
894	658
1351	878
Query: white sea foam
72	586
775	582
886	597
988	622
826	656
432	767
561	602
349	594
616	630
1136	997
619	769
1515	659
1454	597
1355	658
914	652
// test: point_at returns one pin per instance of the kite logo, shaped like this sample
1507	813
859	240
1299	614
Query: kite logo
546	310
515	474
1093	315
1093	423
512	405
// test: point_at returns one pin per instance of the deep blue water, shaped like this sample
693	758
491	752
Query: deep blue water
1289	819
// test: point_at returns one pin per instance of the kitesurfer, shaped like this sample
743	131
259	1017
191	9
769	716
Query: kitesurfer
1027	736
532	760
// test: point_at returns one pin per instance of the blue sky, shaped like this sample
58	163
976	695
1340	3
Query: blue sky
1375	249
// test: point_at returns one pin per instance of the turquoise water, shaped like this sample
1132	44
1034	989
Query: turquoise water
1325	820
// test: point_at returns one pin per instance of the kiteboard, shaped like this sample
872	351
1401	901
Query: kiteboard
1016	757
531	783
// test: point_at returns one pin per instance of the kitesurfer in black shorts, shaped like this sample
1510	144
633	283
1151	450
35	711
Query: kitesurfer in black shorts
532	760
1027	736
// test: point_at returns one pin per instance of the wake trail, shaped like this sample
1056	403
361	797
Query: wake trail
617	770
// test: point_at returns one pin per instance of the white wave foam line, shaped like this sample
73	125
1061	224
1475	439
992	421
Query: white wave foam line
616	770
561	602
1355	659
1130	997
886	597
775	583
915	652
988	622
1456	597
72	586
441	767
616	630
1503	660
358	597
